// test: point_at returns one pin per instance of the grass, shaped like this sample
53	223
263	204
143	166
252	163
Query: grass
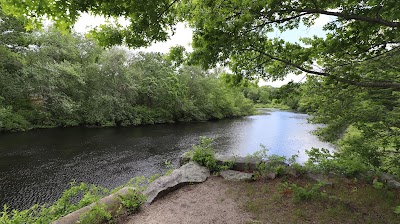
347	201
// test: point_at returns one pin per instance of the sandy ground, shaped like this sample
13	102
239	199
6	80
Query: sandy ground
207	202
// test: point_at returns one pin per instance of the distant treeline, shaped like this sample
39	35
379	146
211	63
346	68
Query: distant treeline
48	79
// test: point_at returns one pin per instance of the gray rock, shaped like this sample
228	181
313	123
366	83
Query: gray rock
248	164
271	175
111	202
236	175
393	184
386	177
188	173
320	178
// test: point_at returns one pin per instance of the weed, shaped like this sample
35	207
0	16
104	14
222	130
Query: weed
169	166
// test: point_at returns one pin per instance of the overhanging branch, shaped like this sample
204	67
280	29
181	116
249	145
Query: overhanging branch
376	84
351	16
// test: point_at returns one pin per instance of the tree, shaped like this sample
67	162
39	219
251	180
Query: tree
149	20
235	32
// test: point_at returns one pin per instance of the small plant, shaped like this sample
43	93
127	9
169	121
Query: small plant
302	193
97	214
377	184
227	165
397	210
169	166
153	177
133	200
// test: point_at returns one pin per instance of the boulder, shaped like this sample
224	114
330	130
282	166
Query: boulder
189	173
390	180
236	175
271	175
393	184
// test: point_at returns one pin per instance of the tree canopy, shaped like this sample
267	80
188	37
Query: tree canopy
235	32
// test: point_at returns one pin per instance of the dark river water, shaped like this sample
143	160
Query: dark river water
37	166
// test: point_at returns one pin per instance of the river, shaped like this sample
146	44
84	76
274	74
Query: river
37	166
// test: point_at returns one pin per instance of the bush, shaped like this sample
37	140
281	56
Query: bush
133	200
300	194
62	207
97	214
348	164
204	154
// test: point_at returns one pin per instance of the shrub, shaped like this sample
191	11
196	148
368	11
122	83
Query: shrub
133	200
300	194
62	207
349	164
97	214
204	154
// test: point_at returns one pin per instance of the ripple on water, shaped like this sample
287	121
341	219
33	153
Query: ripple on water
37	166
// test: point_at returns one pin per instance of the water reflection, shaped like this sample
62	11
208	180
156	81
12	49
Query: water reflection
36	166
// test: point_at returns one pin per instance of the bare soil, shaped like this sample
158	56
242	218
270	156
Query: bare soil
208	202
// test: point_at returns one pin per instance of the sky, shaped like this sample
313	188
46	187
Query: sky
183	36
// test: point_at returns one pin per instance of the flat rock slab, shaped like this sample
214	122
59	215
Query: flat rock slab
236	175
191	172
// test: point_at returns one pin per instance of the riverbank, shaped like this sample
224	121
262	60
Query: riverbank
241	190
273	201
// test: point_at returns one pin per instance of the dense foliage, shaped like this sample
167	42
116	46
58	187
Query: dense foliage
353	86
68	80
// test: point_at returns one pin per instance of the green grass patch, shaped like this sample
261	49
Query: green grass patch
299	200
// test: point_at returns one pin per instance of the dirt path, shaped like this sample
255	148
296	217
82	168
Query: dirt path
207	202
